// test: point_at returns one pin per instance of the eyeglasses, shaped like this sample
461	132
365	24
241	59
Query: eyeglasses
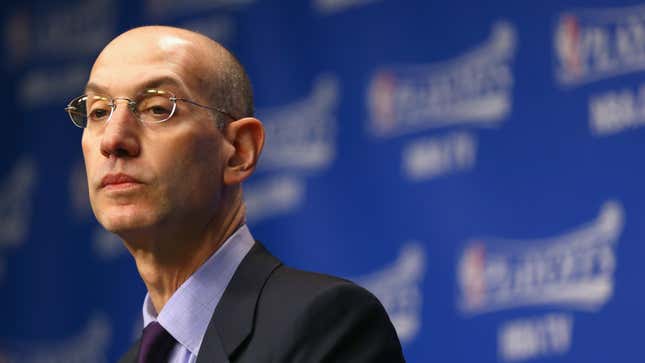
151	106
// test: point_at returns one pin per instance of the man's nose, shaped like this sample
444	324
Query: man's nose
121	134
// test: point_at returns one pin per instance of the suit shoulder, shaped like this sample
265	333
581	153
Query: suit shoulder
304	284
317	316
292	292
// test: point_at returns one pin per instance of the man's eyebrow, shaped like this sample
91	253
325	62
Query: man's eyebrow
152	83
95	87
161	81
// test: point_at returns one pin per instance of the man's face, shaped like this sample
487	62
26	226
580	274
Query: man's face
155	178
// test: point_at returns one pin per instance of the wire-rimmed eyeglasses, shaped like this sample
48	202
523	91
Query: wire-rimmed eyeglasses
150	106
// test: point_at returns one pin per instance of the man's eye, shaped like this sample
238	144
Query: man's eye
99	114
159	110
155	113
153	108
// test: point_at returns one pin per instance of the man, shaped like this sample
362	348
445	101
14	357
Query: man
169	136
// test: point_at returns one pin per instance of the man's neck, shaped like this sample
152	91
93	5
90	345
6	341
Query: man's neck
165	264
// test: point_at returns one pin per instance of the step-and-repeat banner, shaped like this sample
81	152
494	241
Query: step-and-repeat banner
479	166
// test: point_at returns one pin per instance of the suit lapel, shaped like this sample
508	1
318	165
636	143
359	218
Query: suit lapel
232	321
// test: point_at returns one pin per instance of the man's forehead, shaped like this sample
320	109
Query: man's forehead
166	81
157	43
127	72
155	56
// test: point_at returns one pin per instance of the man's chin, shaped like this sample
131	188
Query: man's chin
124	226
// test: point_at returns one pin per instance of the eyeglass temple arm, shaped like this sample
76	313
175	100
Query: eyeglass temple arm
226	113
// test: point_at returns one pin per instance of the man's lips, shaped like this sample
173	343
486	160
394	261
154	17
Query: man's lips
116	180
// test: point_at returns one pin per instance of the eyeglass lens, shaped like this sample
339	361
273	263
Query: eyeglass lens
150	106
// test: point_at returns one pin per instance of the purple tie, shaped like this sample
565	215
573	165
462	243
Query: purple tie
156	344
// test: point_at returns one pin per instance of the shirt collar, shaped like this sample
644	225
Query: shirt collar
188	312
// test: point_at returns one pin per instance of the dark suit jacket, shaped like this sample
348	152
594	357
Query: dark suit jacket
272	313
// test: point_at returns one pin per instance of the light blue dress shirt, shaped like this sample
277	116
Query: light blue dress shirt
188	312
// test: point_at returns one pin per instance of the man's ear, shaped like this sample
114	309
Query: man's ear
246	135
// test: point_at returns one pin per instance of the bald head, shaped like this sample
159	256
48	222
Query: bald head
208	71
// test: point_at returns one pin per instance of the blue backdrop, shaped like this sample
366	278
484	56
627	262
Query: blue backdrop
474	164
